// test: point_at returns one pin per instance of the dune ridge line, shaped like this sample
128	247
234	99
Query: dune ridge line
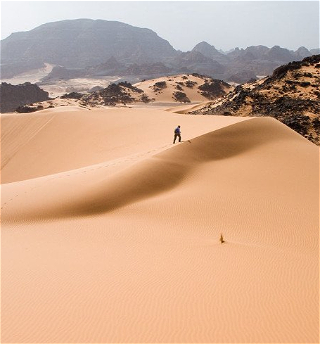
161	172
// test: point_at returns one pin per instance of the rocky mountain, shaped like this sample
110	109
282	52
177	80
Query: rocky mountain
195	62
278	54
241	65
14	96
189	62
257	61
250	53
90	48
315	51
211	52
303	52
238	66
81	43
291	95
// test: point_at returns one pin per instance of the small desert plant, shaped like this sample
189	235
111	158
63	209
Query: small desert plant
221	239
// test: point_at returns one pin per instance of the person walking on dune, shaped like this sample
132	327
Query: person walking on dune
177	134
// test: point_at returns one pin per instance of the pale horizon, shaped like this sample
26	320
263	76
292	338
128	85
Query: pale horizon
223	24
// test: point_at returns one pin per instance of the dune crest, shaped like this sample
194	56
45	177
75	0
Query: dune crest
157	174
63	139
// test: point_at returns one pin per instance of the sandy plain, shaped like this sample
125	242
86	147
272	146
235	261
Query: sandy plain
110	233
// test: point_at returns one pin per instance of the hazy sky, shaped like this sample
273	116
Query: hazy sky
224	24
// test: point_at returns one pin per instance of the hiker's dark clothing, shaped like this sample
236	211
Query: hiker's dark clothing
177	134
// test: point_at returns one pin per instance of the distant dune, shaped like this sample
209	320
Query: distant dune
110	232
184	88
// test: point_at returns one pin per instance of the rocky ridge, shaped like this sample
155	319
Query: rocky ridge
291	95
237	66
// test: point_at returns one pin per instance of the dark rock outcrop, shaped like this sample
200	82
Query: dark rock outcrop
291	95
14	96
29	108
121	93
72	95
213	89
181	97
159	85
281	71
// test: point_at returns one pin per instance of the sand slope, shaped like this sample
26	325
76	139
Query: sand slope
67	138
124	247
187	83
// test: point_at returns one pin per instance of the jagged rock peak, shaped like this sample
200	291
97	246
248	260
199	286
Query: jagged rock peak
208	50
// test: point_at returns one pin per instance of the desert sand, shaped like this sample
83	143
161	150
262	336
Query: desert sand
166	94
110	233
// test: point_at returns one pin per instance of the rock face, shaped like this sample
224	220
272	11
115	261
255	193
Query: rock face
291	95
213	89
14	96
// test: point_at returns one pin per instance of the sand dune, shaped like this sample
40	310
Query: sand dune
187	83
111	233
66	138
156	174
